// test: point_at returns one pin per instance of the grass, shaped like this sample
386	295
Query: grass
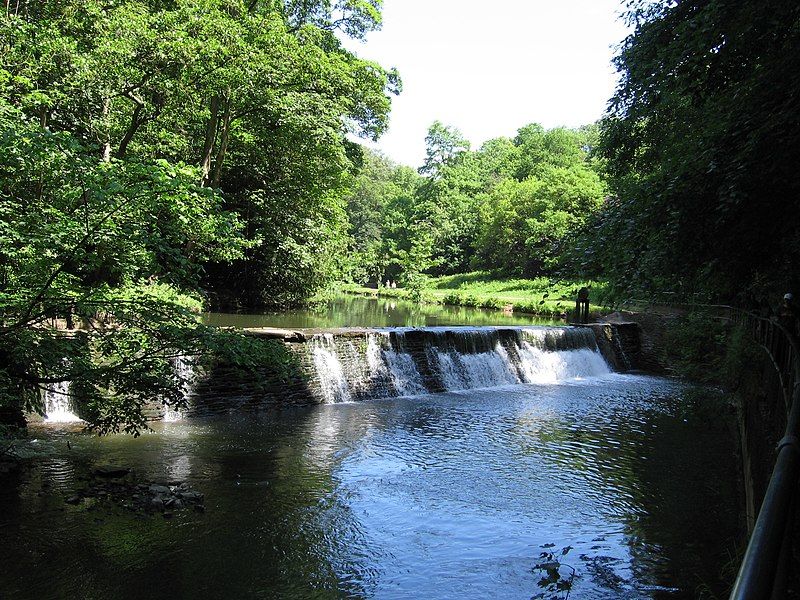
482	289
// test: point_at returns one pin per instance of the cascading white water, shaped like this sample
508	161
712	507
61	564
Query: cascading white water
391	363
184	373
538	366
57	404
333	384
400	365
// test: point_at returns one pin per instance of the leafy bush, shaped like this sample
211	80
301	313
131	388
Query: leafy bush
453	299
492	303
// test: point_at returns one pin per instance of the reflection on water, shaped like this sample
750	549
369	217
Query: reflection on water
356	311
443	496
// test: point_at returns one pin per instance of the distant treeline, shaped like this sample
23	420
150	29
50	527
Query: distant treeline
687	189
511	206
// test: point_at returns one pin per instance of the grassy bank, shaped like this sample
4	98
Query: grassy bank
481	289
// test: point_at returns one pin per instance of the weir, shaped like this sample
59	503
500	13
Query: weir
58	404
402	362
352	365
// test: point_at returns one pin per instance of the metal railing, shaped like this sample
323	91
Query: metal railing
764	568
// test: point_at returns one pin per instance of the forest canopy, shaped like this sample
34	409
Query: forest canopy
158	156
510	207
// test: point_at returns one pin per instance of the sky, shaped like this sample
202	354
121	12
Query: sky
488	68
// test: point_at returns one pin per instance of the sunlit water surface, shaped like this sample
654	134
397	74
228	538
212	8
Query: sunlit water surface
443	496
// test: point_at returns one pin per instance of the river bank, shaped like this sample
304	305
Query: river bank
543	297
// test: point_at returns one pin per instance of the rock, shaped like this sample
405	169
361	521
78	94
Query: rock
177	504
191	496
111	471
157	503
199	508
159	489
167	515
73	500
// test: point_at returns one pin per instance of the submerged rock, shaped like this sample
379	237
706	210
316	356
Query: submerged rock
136	497
111	471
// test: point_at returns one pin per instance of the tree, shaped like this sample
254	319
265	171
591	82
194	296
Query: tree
443	145
512	206
698	143
259	95
111	247
150	150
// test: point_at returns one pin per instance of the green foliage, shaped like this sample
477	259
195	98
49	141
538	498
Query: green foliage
377	209
483	289
109	246
510	206
153	154
695	345
556	577
702	348
259	96
699	145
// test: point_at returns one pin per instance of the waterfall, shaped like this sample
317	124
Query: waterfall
58	405
184	373
333	383
404	362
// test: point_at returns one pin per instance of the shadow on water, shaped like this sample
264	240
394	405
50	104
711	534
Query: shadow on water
442	496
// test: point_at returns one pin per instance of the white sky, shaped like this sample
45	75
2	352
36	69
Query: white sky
489	68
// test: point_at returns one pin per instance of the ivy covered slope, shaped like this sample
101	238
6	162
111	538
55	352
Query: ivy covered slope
152	150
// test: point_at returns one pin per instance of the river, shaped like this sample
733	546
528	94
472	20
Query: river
357	311
620	484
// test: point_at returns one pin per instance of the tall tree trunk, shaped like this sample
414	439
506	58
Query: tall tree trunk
107	133
223	142
136	122
211	136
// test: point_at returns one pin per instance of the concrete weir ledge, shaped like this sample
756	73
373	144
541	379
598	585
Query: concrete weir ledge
621	343
344	364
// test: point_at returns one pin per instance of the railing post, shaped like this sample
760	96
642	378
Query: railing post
762	573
